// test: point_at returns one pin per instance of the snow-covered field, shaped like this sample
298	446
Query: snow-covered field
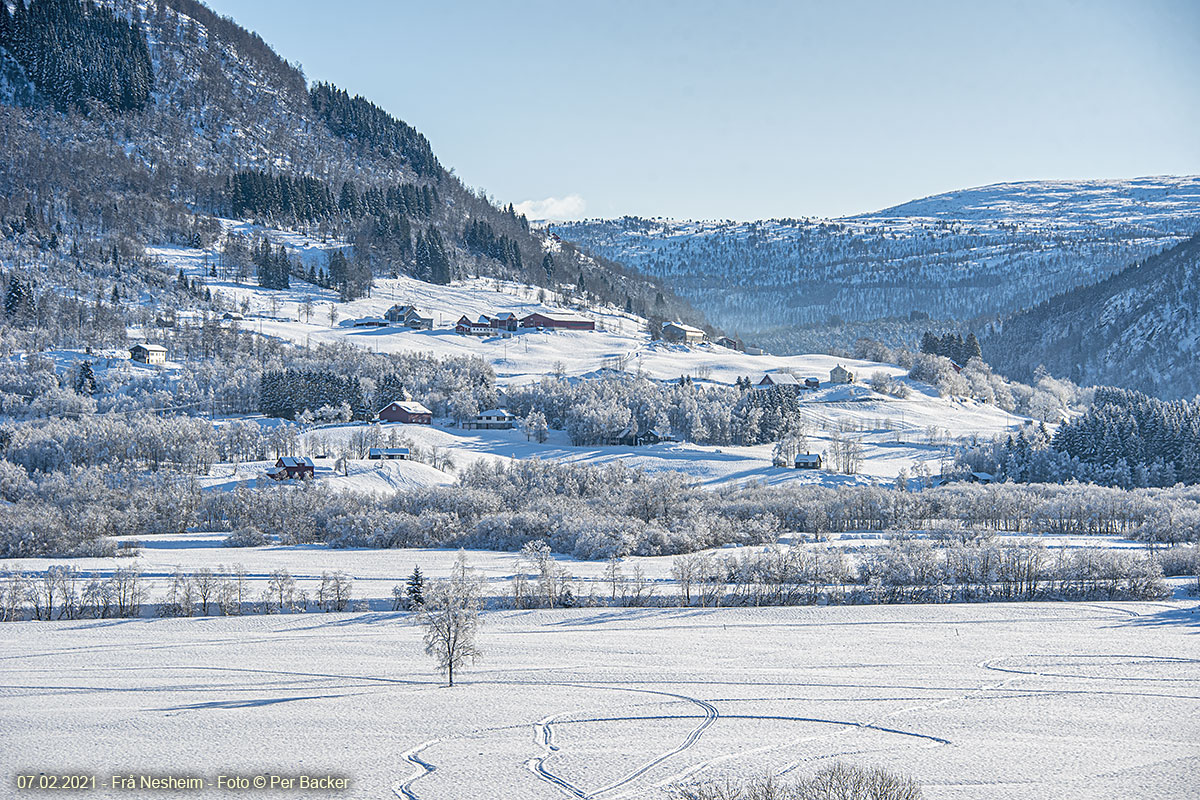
1025	701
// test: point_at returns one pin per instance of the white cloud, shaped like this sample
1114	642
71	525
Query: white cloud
553	208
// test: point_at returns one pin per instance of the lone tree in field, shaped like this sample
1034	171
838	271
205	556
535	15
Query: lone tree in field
450	617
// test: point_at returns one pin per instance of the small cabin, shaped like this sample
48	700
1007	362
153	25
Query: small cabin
812	383
388	453
840	374
233	316
370	322
293	468
680	333
148	353
408	412
808	461
981	477
493	419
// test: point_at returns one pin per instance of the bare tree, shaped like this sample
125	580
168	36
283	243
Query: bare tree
450	618
206	584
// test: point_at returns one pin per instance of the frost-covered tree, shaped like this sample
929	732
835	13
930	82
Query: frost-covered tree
450	618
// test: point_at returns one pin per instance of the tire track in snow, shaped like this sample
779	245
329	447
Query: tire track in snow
403	789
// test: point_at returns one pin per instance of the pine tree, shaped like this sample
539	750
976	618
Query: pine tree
85	379
16	296
415	588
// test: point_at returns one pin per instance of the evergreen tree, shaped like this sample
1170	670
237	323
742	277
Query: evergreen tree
15	298
415	588
85	379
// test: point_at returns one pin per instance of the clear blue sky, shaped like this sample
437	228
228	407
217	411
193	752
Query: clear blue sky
749	110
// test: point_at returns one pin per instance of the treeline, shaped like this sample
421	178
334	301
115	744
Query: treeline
596	513
307	199
64	592
952	346
77	52
371	129
913	571
594	410
288	393
481	238
1122	425
1124	439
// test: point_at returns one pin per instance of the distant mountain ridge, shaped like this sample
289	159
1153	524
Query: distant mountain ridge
968	255
1148	200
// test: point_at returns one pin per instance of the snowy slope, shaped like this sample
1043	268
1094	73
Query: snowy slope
897	434
960	255
1152	201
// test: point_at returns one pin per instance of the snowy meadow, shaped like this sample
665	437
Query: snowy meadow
1018	700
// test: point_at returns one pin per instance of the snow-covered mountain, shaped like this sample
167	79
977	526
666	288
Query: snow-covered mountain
957	256
127	123
1152	202
1136	329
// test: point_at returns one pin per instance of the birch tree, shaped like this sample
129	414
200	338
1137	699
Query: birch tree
450	618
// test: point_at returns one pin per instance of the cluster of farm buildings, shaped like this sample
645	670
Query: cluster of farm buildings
411	412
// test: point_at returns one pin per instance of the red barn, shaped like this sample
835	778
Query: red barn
406	411
570	322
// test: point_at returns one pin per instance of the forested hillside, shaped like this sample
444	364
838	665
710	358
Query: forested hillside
130	122
1136	329
956	257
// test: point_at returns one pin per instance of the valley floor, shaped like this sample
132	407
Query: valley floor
1020	700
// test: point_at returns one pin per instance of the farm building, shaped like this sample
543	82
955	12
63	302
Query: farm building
571	322
232	316
480	327
774	379
493	419
682	334
808	461
812	383
408	316
840	374
732	344
293	468
407	411
370	322
388	453
148	353
417	320
505	321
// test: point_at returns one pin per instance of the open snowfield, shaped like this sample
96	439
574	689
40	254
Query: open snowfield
1025	701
